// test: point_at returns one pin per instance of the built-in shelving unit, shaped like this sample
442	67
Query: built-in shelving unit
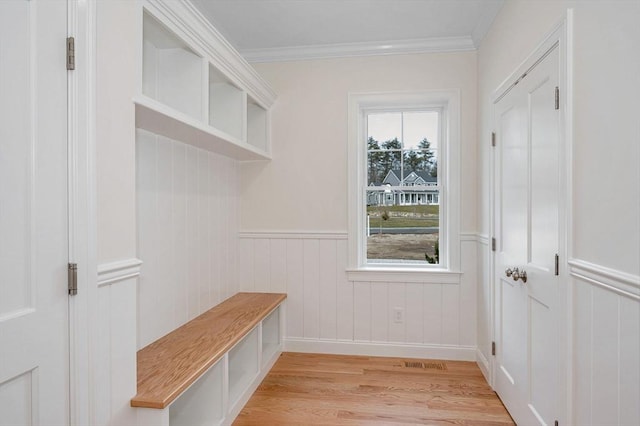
206	370
195	88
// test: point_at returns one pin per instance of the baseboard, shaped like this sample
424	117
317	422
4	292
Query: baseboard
483	364
334	347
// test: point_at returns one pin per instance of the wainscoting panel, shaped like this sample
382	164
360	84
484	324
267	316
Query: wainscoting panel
327	312
114	380
187	214
607	346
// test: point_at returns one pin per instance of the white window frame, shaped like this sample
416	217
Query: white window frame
360	104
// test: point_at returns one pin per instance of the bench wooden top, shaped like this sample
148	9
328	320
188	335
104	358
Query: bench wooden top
169	365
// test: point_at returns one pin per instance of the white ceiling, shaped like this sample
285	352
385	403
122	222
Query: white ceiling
265	30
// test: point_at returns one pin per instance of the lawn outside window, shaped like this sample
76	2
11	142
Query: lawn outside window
404	186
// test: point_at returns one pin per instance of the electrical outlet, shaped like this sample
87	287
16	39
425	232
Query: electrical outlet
398	315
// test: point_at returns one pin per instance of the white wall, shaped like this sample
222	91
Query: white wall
605	224
294	214
304	187
187	233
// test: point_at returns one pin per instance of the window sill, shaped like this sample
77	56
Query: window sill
404	275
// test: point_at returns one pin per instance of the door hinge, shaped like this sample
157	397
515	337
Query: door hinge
493	244
557	98
73	279
557	265
493	138
493	348
71	53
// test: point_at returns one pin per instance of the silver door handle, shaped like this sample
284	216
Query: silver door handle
519	275
516	274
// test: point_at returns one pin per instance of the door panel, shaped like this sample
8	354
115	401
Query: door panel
543	362
16	183
527	224
34	371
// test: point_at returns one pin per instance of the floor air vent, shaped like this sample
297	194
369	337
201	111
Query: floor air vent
426	365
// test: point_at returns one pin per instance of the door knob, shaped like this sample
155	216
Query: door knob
508	272
519	275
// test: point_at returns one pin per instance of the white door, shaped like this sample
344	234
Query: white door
34	343
527	229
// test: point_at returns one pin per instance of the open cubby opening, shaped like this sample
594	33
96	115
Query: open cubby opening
243	365
172	73
226	103
270	335
202	403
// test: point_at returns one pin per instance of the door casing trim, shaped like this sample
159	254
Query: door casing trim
81	24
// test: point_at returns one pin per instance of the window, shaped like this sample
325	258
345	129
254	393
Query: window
403	183
402	163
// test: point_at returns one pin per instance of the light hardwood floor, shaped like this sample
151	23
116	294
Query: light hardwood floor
313	389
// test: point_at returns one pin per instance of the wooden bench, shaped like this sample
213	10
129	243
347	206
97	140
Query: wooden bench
247	323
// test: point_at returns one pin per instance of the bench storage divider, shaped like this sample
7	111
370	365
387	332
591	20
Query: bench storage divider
204	372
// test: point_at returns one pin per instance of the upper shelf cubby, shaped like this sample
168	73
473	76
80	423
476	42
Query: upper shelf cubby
226	104
196	88
171	72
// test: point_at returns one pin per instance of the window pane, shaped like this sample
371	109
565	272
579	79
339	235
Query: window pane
402	225
376	168
418	126
384	127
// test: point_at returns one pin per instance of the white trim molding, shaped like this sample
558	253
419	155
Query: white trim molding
474	237
293	235
349	50
120	270
404	275
619	282
81	83
483	364
348	347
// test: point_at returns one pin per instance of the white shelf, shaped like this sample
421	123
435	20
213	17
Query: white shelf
163	120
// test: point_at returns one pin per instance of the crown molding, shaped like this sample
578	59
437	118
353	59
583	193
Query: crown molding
343	50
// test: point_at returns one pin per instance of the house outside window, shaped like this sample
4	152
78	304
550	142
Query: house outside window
404	182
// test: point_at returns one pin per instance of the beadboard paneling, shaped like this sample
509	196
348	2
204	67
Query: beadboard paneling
323	306
606	331
114	379
187	232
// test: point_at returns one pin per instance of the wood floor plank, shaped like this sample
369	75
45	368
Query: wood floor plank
316	389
